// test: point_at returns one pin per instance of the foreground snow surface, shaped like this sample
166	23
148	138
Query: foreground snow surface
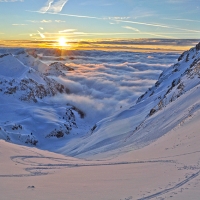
168	168
147	150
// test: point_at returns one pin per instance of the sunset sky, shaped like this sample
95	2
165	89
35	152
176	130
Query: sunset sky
100	19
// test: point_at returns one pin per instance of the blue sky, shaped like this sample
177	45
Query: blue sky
100	19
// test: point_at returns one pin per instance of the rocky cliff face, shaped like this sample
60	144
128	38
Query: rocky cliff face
24	82
176	80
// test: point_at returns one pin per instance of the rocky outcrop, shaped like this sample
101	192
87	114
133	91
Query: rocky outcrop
172	83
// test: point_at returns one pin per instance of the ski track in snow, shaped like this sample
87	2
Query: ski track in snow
36	168
172	188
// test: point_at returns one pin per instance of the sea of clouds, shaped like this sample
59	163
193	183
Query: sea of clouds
104	82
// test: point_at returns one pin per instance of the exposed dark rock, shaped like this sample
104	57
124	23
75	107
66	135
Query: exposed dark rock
7	54
198	46
80	112
93	128
55	133
31	141
152	111
181	56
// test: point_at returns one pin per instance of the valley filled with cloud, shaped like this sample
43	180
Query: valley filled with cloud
105	82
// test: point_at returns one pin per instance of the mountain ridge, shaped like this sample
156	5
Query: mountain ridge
159	110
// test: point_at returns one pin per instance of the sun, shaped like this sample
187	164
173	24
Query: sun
62	41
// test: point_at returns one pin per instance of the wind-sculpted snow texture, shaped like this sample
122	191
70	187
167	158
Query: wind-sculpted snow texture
50	97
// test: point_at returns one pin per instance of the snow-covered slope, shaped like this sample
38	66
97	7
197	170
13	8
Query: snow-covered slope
31	60
10	67
174	98
166	169
26	95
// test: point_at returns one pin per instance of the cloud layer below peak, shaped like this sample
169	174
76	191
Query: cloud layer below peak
105	82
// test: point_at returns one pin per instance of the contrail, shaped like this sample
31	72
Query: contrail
186	20
78	16
123	21
157	25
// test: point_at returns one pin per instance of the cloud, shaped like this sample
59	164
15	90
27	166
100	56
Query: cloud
116	18
133	45
186	20
102	81
78	16
41	35
142	42
47	6
136	31
158	25
46	21
67	30
131	28
111	84
59	21
19	24
42	21
54	6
